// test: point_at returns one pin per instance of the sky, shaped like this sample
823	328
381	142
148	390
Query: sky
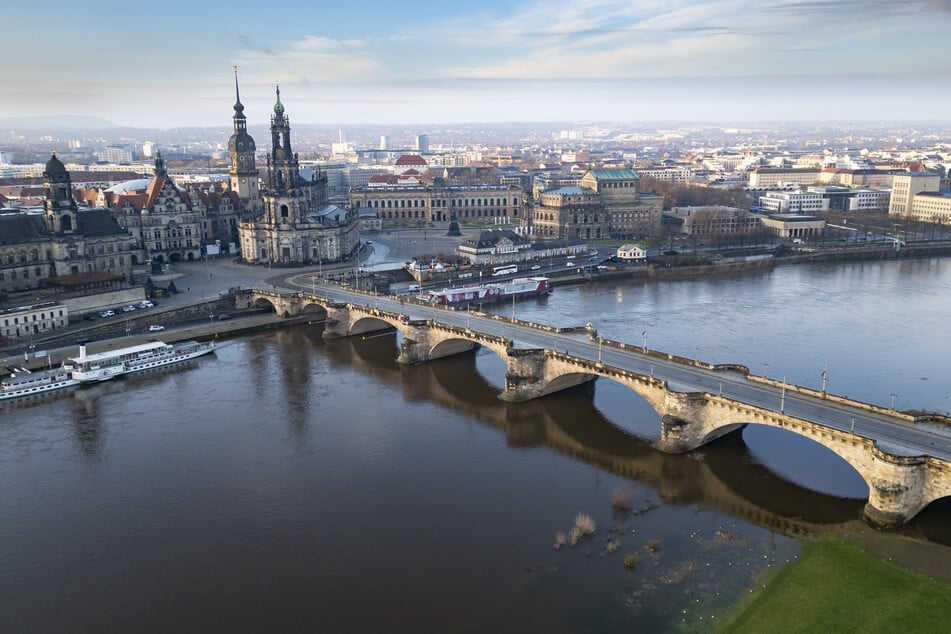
170	64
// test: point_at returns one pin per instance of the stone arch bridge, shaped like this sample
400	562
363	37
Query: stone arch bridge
900	485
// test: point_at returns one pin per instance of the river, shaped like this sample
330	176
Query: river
288	483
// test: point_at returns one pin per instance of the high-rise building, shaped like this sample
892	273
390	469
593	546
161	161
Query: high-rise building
422	144
384	142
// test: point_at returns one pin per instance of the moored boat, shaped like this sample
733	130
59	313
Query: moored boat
484	293
103	366
32	383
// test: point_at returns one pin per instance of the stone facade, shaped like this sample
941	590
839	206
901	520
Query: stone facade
605	203
420	204
297	225
65	240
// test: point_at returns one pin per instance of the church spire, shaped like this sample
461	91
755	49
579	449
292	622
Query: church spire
278	107
238	106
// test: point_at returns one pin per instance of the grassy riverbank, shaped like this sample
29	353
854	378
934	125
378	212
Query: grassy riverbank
837	587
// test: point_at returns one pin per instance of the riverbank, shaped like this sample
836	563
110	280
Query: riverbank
840	586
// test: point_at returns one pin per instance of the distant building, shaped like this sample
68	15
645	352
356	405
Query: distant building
794	225
604	203
422	144
407	204
775	177
711	220
848	199
506	246
632	252
906	187
792	202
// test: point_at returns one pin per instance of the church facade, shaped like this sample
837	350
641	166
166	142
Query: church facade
290	220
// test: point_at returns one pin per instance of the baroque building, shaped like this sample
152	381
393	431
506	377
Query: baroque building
165	222
65	242
295	224
604	203
397	204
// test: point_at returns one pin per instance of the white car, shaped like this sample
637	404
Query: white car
146	304
128	309
535	267
156	328
107	313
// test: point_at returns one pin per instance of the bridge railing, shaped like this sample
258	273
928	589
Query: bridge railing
697	363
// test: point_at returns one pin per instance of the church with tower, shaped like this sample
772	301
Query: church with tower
289	220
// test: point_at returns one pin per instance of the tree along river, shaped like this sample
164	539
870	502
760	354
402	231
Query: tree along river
288	483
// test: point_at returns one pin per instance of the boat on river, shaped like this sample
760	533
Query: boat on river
26	383
485	293
102	366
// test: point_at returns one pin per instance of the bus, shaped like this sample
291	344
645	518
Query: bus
505	270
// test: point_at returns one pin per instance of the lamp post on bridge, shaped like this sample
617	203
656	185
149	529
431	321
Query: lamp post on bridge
645	340
765	365
894	396
782	398
824	378
600	346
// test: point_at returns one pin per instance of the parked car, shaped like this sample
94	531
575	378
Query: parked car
535	267
107	313
90	317
224	317
128	309
156	327
146	304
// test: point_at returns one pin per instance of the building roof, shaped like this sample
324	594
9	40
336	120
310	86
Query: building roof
614	174
17	227
491	237
566	191
99	222
411	159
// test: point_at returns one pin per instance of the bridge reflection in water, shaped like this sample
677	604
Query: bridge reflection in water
720	479
901	482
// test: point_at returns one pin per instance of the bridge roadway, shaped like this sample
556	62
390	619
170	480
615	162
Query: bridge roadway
897	435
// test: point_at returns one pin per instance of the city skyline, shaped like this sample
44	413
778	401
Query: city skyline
500	61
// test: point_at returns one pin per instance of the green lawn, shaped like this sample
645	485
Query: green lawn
837	587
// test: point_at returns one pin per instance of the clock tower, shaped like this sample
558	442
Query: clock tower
243	173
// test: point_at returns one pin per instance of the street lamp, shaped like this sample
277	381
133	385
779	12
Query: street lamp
782	398
600	346
645	339
765	365
894	396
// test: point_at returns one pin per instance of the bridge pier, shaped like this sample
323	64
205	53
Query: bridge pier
411	352
689	421
524	376
895	488
337	324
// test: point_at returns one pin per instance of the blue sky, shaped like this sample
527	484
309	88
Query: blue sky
169	63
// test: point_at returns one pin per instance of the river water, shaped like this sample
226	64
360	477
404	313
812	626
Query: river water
288	483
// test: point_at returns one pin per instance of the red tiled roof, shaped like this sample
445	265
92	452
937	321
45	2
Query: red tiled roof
411	159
